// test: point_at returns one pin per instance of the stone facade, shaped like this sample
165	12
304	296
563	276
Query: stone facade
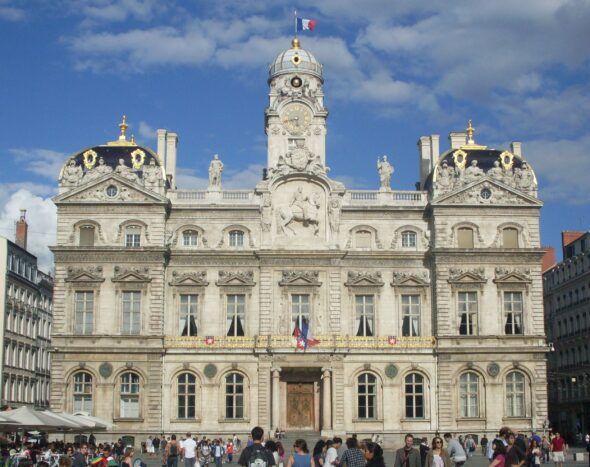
567	319
425	306
26	307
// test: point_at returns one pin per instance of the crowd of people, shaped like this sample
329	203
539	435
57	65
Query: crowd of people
507	449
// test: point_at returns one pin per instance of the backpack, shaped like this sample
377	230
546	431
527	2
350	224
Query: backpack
173	452
258	457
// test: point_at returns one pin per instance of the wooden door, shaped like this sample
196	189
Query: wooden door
300	407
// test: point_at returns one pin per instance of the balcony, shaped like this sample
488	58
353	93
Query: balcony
205	197
386	198
325	343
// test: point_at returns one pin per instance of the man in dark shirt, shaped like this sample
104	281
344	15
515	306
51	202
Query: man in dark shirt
79	457
515	457
353	456
256	450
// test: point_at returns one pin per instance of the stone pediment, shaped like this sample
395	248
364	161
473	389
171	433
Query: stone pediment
124	191
236	278
131	275
512	276
189	279
91	274
302	278
364	279
410	279
467	276
486	191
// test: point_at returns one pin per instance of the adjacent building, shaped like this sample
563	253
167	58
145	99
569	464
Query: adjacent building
193	309
567	320
26	299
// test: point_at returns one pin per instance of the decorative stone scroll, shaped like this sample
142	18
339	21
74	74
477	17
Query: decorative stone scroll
89	274
193	278
474	275
131	275
300	278
236	278
364	279
416	279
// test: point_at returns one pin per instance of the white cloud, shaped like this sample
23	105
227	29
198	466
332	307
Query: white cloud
563	167
9	12
41	217
44	162
96	11
146	132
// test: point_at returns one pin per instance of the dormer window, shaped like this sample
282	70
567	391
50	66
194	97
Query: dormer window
236	238
363	239
408	239
190	238
87	235
133	236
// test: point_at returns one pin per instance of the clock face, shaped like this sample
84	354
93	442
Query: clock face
296	118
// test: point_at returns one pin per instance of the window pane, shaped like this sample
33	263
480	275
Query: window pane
189	238
188	314
363	239
513	308
131	312
236	238
467	305
87	235
365	315
469	394
410	315
465	237
510	238
409	239
300	310
235	314
83	312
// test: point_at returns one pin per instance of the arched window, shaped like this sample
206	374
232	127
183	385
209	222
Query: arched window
414	387
367	396
236	238
187	394
469	395
190	238
234	396
129	396
515	390
362	239
465	237
82	392
87	235
510	237
408	239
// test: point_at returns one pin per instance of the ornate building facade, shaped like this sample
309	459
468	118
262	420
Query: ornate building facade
176	309
26	299
567	320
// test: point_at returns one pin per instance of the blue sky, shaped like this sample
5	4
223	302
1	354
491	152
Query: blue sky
394	71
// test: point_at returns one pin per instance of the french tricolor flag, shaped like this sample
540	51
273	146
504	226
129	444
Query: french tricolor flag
304	24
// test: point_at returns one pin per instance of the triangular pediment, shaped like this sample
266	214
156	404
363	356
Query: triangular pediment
300	278
131	275
486	192
240	278
364	279
471	276
512	277
85	275
190	279
96	192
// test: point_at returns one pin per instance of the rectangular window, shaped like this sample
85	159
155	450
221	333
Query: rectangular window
84	313
468	313
236	314
131	312
188	314
299	310
133	240
410	315
87	235
365	315
363	239
513	312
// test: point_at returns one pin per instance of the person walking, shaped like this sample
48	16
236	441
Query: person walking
534	454
318	453
229	450
558	448
353	456
218	452
172	452
256	455
484	444
189	451
515	456
456	451
407	456
424	448
301	456
437	456
331	458
470	446
373	454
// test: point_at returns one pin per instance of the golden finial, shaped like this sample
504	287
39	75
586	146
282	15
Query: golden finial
123	127
470	131
133	139
295	43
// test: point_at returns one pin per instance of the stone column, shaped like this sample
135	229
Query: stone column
276	398
327	399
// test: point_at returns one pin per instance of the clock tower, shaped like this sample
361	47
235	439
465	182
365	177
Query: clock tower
295	116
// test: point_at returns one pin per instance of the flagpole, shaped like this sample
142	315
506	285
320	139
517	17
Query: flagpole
295	20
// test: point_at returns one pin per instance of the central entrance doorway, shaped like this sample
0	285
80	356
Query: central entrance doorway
300	406
300	399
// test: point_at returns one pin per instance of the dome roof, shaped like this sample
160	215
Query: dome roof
295	59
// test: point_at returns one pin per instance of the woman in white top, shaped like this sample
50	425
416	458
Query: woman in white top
438	455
